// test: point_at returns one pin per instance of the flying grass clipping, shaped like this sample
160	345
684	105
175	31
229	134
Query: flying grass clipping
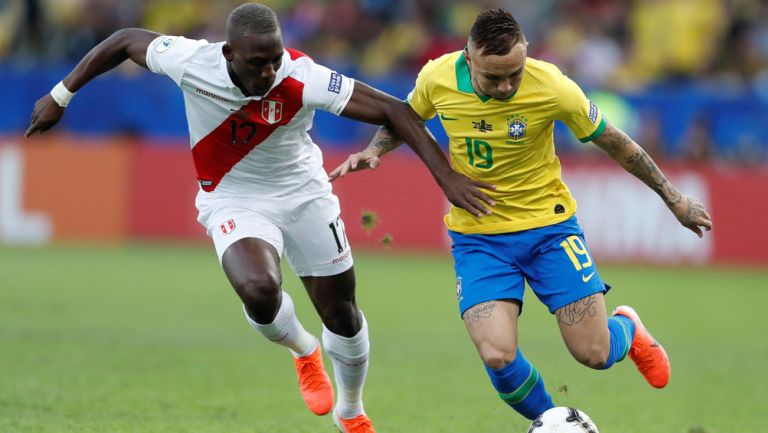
370	220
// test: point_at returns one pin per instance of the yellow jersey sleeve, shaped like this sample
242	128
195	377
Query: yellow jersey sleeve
580	114
420	97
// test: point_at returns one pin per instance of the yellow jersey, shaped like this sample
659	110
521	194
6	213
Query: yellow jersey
507	143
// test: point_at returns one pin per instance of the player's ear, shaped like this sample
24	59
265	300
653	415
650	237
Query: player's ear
469	51
226	49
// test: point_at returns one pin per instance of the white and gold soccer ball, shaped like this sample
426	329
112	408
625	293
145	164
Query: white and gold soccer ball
563	420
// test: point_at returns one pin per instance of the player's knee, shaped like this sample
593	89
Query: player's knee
262	290
593	356
342	318
496	357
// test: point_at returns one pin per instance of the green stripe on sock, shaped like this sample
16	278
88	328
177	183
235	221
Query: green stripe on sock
522	392
628	339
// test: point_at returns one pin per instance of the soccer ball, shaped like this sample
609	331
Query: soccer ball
563	420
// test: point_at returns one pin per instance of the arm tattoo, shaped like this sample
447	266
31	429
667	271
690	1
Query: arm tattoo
385	140
479	312
643	167
636	161
574	313
695	210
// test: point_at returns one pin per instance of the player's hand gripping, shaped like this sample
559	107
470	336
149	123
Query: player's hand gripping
368	158
46	114
464	193
692	214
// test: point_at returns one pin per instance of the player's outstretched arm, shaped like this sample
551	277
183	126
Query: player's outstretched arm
689	211
123	44
372	106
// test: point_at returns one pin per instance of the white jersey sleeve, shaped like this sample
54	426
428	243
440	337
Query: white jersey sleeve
170	55
326	89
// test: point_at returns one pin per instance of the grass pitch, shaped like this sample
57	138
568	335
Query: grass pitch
152	339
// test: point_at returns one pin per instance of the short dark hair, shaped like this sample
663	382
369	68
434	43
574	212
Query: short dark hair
495	31
251	18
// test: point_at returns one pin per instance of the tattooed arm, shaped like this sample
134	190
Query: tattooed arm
384	141
689	211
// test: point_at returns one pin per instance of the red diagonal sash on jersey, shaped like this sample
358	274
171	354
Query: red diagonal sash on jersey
295	54
216	154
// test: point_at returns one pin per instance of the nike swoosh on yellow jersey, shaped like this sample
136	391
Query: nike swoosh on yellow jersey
442	116
586	278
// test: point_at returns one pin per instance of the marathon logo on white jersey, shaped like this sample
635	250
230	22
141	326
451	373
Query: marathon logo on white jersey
213	96
228	227
271	111
341	258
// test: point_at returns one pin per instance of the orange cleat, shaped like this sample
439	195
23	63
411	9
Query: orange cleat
647	354
358	424
314	384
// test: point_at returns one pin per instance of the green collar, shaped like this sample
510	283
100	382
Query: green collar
464	82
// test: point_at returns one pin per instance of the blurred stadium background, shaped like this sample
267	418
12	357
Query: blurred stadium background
102	262
688	79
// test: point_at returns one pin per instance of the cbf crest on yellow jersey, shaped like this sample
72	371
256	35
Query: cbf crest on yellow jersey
507	143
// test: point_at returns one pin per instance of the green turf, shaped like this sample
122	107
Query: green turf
152	339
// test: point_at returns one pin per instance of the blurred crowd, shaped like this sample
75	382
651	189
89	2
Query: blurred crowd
601	43
615	45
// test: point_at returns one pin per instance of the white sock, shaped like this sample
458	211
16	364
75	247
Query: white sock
350	365
286	330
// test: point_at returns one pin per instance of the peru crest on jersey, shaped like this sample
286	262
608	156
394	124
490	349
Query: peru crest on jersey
228	226
271	111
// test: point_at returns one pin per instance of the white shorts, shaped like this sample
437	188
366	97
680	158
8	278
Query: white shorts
309	230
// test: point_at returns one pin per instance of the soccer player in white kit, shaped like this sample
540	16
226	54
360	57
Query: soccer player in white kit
263	190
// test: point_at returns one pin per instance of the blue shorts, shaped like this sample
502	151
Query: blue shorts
554	260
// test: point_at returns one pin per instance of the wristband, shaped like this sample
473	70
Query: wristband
61	95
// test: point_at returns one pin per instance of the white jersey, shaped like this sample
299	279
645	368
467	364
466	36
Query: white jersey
255	146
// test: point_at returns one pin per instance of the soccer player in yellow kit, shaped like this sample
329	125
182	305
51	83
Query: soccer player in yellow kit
498	107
